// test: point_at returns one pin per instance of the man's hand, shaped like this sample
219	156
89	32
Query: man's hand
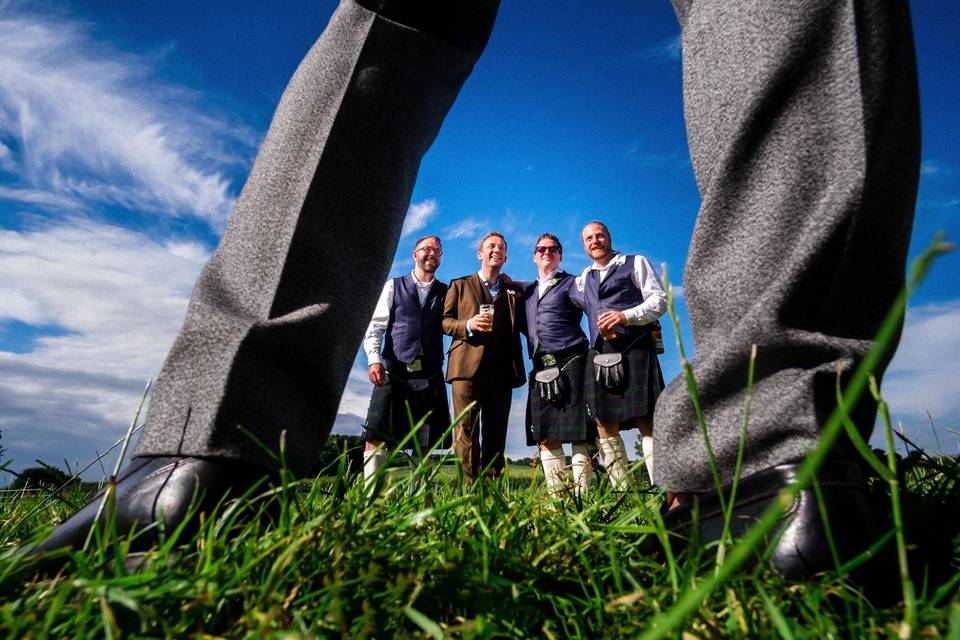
609	319
482	322
377	374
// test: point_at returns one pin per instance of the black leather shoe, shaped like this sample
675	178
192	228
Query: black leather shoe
151	489
800	546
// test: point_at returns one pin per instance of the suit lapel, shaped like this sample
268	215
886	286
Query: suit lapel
480	291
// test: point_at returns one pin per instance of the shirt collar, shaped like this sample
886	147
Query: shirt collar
420	283
618	259
550	275
487	283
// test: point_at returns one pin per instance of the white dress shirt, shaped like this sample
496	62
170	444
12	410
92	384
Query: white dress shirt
494	289
373	339
542	282
645	277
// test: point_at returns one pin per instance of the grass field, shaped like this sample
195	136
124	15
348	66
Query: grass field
506	560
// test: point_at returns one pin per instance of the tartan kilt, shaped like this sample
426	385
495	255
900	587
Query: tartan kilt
636	395
567	420
387	418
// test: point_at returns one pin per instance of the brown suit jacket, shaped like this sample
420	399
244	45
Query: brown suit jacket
464	297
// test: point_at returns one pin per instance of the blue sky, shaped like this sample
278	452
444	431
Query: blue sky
127	130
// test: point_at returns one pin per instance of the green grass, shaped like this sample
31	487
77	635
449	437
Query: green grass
504	559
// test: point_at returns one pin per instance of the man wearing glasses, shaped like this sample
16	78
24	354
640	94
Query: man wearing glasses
803	128
624	299
486	361
558	351
404	346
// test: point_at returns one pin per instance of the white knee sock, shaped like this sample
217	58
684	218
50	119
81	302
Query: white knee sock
554	466
615	461
582	467
373	459
646	442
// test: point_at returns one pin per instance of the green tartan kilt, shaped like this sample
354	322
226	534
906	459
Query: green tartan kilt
636	395
566	420
387	417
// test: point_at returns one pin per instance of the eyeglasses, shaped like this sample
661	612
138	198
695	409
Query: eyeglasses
430	250
544	249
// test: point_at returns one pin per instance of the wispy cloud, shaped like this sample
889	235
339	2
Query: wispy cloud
665	51
117	298
923	375
7	162
356	395
466	228
42	198
418	215
85	123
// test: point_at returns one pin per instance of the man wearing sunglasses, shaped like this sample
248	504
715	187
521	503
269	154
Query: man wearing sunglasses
404	347
803	127
623	299
558	351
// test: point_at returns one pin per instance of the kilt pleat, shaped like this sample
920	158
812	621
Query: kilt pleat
565	420
636	395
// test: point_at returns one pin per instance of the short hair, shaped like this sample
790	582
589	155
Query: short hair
422	238
491	234
606	230
548	236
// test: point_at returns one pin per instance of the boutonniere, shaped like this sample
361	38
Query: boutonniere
552	281
511	292
620	259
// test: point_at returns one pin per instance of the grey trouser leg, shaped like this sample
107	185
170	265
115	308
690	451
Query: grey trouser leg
278	313
803	127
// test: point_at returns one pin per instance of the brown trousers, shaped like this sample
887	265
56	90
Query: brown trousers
481	435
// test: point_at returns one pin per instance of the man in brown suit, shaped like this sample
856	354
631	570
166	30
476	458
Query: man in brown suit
485	362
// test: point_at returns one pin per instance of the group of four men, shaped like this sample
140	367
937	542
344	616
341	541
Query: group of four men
803	128
581	389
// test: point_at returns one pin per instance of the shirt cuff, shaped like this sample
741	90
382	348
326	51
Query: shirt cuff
372	359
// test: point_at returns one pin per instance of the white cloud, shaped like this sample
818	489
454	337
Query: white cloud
42	198
520	232
90	125
925	372
418	215
117	298
356	395
6	158
466	228
667	50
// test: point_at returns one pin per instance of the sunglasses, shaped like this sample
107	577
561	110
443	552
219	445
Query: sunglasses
542	249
